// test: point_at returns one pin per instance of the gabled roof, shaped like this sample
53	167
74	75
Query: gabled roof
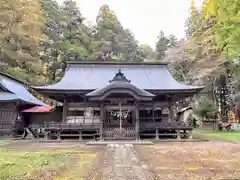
184	109
39	109
13	89
87	75
6	96
121	84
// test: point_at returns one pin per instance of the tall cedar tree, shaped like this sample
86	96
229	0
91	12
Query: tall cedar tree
20	26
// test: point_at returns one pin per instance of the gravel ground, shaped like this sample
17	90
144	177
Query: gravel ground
192	161
121	163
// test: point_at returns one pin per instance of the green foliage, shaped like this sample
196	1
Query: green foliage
202	47
147	52
205	108
226	26
52	34
217	26
20	26
181	63
161	46
213	33
113	41
68	38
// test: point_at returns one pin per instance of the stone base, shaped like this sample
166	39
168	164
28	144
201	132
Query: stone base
106	142
179	140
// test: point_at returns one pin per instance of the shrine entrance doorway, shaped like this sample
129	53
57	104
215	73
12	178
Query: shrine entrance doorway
118	100
119	122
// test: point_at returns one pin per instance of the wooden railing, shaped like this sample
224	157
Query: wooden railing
6	128
82	120
117	133
63	125
145	126
63	129
60	130
6	125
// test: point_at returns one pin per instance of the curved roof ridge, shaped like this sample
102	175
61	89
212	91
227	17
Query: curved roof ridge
120	81
7	96
19	90
13	78
81	62
120	85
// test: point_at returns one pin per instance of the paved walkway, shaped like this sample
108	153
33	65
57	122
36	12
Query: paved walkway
121	163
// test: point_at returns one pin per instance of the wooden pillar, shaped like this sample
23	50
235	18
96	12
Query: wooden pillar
170	110
59	134
93	115
15	111
153	119
64	114
45	132
46	135
153	112
80	135
157	134
84	111
185	133
137	122
178	134
190	134
133	117
101	120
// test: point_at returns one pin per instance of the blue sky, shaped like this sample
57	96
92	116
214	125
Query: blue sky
145	18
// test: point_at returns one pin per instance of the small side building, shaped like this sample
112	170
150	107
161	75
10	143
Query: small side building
117	100
14	97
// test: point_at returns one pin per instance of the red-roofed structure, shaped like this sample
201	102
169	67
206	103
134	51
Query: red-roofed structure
41	109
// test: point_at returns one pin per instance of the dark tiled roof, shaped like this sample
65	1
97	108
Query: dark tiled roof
120	82
15	90
91	76
6	96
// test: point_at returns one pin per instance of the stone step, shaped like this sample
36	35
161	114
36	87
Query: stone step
133	142
119	146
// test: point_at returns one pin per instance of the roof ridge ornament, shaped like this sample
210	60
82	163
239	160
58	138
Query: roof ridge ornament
119	76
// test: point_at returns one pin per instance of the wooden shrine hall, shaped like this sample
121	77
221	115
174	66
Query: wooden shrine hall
114	100
14	97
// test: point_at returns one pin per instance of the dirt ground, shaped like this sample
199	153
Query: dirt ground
111	162
82	163
162	161
192	161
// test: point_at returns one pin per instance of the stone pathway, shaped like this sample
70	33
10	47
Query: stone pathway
121	163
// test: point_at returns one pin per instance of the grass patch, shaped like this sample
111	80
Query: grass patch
229	136
4	141
17	165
